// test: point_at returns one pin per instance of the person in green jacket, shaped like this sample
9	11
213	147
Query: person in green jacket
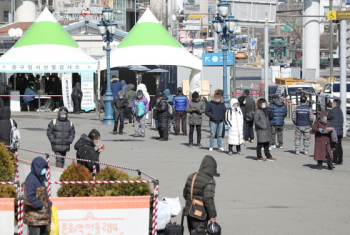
195	108
130	95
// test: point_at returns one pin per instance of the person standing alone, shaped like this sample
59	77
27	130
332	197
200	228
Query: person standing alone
195	108
180	102
279	111
61	134
234	119
337	120
77	95
119	105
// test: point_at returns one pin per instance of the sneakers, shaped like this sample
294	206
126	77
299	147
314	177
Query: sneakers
190	145
230	153
271	159
261	159
246	141
221	149
251	141
280	146
306	152
210	149
199	146
297	151
239	154
273	146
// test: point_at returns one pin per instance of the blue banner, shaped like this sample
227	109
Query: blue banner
210	59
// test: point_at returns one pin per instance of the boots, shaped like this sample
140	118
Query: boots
319	165
329	163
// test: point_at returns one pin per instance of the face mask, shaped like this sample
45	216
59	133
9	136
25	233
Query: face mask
43	171
324	120
63	116
243	102
121	97
235	105
218	100
31	87
97	144
263	105
140	96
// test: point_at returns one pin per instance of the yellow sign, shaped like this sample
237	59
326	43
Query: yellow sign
343	15
195	16
331	15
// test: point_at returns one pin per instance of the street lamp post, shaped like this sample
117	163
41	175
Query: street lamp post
107	29
224	25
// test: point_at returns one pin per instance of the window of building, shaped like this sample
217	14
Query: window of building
325	9
6	15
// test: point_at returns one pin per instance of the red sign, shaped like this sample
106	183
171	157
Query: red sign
85	12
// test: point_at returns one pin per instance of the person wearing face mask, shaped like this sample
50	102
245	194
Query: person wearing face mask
161	108
215	110
249	104
119	105
195	109
234	120
279	112
323	149
180	102
140	107
37	206
302	118
30	99
61	133
263	130
337	120
85	147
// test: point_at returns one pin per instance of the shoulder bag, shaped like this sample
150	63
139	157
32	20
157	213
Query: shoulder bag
197	209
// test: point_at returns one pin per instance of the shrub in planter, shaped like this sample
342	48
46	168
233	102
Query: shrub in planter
7	169
109	173
75	172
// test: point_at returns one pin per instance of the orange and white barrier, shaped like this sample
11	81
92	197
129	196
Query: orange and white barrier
7	215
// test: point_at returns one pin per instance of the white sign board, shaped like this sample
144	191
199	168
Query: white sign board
87	87
67	91
7	215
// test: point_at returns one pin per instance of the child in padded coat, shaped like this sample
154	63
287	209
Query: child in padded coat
234	120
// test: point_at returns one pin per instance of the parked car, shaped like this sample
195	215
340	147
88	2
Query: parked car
330	91
241	55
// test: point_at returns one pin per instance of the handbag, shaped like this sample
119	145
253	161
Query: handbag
197	209
249	116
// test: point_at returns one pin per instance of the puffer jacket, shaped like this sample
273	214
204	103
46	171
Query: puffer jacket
124	87
249	104
131	94
234	119
279	110
195	117
170	97
5	125
215	111
77	90
144	100
162	112
115	86
62	134
262	126
37	206
119	106
204	186
143	88
86	150
29	91
337	120
180	102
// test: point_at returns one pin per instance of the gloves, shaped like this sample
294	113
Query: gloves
320	129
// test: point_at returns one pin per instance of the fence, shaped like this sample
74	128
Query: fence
20	191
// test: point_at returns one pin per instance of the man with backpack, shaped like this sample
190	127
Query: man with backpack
61	134
140	107
9	134
161	108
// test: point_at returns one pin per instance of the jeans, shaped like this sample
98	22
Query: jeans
171	122
196	226
199	134
216	129
305	131
180	116
266	150
59	160
249	131
338	153
36	230
238	148
279	131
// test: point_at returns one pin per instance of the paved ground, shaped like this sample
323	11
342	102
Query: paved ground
288	196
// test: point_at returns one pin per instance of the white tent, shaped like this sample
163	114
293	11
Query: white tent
46	47
148	43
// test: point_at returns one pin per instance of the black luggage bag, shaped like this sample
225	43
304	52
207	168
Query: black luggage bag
175	229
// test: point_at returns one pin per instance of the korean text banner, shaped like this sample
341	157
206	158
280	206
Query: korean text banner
67	91
49	67
103	215
87	87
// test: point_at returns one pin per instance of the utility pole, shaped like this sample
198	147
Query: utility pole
216	44
266	57
331	41
171	18
343	69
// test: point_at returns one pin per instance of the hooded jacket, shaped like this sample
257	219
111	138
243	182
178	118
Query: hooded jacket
204	186
124	87
131	94
143	88
119	106
279	110
29	91
262	125
5	125
86	150
37	206
180	102
144	100
62	134
215	111
195	117
77	90
115	86
162	112
234	119
170	97
337	120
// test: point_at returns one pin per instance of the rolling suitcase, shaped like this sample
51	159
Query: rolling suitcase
175	229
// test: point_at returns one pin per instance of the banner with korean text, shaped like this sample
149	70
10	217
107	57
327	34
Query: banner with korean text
7	215
87	87
67	91
103	215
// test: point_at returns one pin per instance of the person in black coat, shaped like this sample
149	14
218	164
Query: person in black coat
337	120
249	108
61	134
119	105
77	95
5	125
56	90
85	147
161	108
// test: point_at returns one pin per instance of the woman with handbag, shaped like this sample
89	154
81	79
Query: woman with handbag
199	194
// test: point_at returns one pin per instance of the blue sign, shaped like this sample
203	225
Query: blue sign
210	10
216	59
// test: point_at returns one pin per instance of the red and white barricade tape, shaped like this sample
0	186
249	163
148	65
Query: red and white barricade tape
103	182
11	183
48	175
155	210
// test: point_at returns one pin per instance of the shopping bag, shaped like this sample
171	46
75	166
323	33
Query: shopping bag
164	215
53	229
214	229
174	203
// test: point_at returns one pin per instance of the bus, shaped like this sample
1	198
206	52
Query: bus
199	47
210	44
187	43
